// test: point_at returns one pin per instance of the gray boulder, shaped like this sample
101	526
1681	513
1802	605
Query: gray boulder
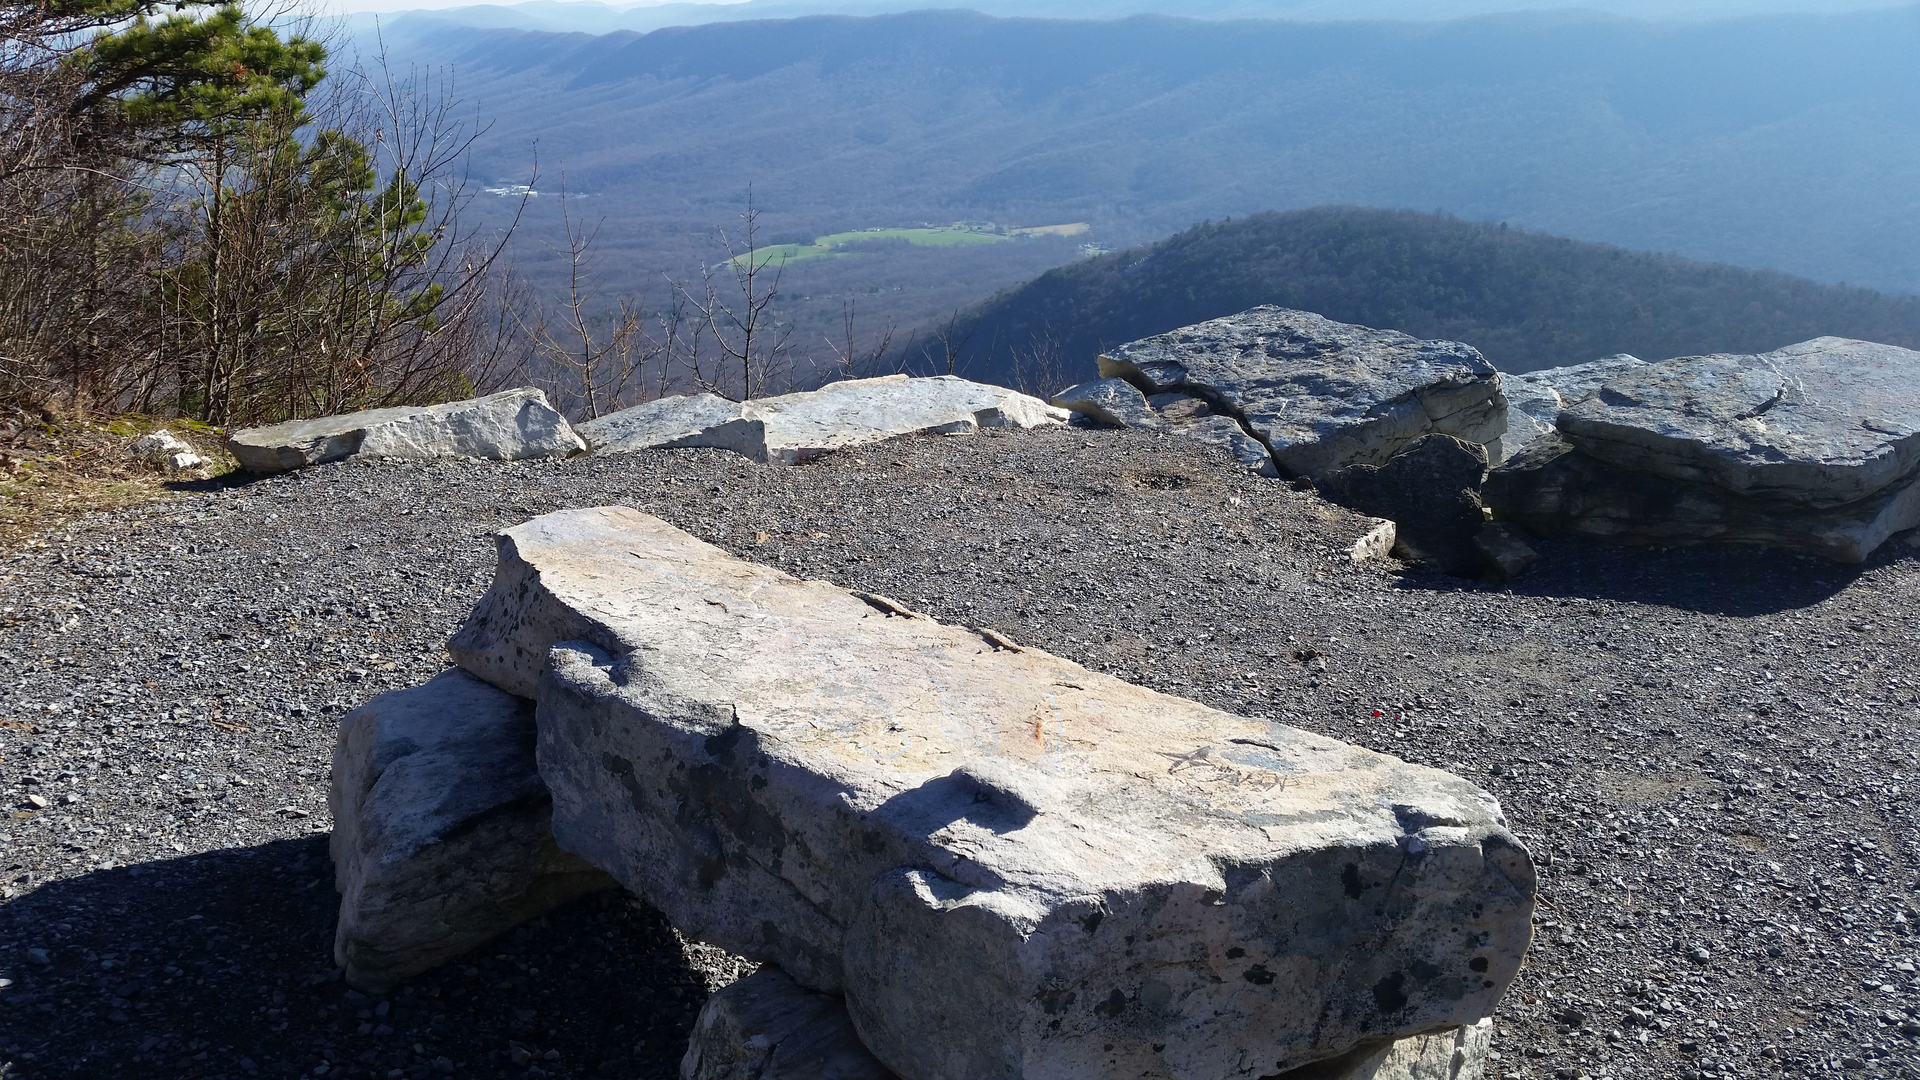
1114	402
1006	863
664	422
1321	394
442	832
767	1027
1824	423
1552	489
510	426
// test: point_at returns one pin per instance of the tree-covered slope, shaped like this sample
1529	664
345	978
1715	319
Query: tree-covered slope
1525	299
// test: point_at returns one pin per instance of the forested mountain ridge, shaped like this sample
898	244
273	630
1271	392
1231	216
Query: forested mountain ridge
1526	300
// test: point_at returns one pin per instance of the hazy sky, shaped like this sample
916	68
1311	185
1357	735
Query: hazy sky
1305	9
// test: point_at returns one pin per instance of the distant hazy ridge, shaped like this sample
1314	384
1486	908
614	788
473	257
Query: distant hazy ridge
1789	142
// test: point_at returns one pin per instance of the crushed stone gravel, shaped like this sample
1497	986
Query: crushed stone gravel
1711	752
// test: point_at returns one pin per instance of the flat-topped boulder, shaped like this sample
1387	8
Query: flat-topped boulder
1007	864
1321	394
442	835
658	424
1820	424
767	1027
1552	489
513	425
793	428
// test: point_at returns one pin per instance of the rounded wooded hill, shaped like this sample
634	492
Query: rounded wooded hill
1525	299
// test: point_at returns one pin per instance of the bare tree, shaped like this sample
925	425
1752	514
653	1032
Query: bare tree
750	342
851	361
607	352
1040	368
950	342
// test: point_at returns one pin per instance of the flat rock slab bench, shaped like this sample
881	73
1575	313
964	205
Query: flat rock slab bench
1001	864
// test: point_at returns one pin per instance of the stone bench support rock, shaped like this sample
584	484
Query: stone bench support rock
1007	864
442	832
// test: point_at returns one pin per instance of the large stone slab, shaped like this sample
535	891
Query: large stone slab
442	833
767	1027
1321	394
1823	423
1008	864
509	426
1552	489
661	423
793	428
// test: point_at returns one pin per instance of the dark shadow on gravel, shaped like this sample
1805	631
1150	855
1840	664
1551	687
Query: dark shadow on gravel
238	478
1726	580
218	965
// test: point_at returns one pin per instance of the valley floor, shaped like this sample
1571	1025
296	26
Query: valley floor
1712	753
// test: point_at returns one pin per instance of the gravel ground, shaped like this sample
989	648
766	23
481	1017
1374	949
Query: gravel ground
1711	752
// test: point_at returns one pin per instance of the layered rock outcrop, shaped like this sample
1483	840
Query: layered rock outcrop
1819	424
1814	447
510	426
1007	864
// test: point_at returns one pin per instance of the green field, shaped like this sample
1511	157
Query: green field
835	246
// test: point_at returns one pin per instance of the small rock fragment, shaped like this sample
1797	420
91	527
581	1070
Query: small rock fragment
1508	556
